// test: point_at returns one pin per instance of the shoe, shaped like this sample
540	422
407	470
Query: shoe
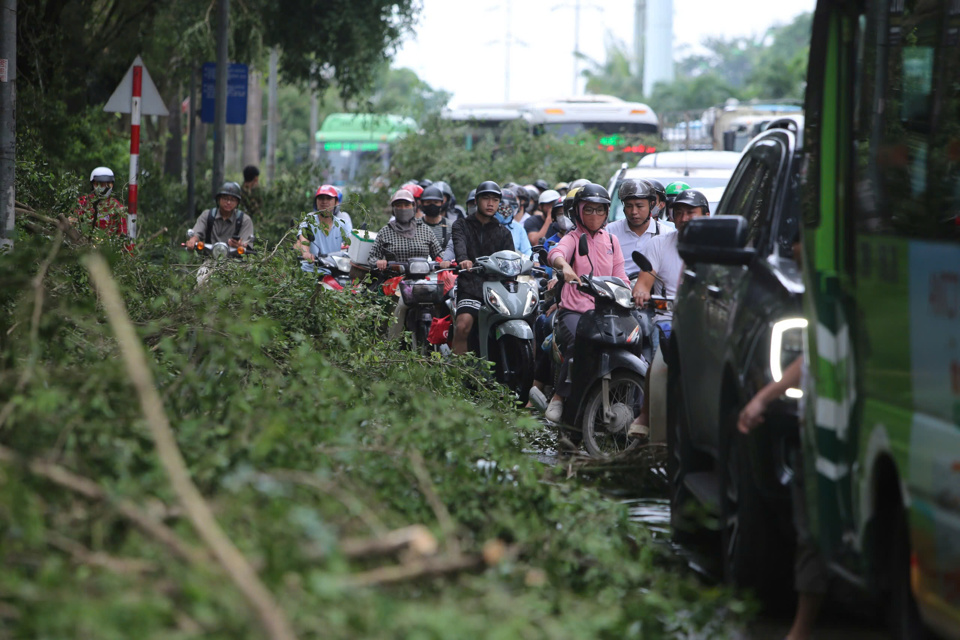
554	411
638	430
537	399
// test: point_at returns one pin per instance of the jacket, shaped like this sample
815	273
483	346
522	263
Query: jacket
471	240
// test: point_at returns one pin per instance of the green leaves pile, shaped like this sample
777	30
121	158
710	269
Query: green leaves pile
303	429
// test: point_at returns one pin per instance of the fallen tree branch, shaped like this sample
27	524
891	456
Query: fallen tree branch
425	568
98	559
154	236
415	538
60	222
244	577
92	491
447	525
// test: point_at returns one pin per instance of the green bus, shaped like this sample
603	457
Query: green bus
355	144
882	265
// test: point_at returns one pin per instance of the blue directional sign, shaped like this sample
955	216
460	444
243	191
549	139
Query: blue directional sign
236	93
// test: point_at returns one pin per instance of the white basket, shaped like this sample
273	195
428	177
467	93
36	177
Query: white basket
361	243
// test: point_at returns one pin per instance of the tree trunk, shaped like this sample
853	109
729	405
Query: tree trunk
173	163
253	129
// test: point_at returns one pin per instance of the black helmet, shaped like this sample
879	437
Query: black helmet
511	185
425	183
431	193
580	182
589	193
472	196
658	189
693	198
533	194
229	189
444	188
541	185
636	189
488	186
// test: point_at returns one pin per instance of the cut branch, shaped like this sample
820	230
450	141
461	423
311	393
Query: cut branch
242	574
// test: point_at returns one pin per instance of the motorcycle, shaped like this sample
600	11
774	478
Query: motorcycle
333	270
609	366
424	294
509	303
216	251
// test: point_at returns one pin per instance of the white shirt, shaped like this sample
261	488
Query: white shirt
630	241
667	264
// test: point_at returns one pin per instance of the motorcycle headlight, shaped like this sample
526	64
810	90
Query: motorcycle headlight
343	263
621	295
219	250
531	302
786	345
419	268
495	301
509	267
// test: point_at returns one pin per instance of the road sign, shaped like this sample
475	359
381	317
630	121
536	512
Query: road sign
236	92
151	104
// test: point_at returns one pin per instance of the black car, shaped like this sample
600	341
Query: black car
737	324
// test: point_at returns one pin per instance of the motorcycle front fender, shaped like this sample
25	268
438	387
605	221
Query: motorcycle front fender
518	328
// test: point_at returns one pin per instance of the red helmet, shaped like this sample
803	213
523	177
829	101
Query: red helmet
414	189
326	190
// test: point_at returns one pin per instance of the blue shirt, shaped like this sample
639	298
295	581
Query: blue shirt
324	243
521	242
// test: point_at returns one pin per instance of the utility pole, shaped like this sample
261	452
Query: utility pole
220	101
192	148
314	123
639	35
8	122
576	45
272	116
506	57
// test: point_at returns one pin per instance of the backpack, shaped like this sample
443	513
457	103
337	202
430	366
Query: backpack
211	216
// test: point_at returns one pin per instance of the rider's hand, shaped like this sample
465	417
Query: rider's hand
552	283
445	264
192	242
309	257
640	296
466	264
233	243
569	275
752	415
381	264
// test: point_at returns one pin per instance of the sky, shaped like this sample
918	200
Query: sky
459	45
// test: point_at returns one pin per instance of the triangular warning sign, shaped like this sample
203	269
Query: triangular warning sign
151	104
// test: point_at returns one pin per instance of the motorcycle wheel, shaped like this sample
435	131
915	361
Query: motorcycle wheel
626	399
517	372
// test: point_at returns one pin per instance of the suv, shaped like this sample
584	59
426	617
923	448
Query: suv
738	324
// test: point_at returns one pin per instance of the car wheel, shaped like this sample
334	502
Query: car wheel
755	553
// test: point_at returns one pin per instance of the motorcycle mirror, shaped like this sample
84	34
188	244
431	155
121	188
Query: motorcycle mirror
582	248
641	261
543	258
189	233
308	234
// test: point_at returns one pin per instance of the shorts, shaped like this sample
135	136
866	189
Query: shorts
468	304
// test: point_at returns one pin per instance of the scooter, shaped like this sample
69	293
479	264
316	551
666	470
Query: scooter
217	251
609	365
333	270
423	293
505	322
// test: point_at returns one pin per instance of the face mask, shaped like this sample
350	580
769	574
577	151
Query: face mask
657	210
564	223
102	191
504	217
471	209
403	216
431	210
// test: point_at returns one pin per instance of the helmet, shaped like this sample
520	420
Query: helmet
532	192
561	185
511	185
674	188
541	185
415	190
636	189
432	193
444	188
326	190
658	189
589	193
489	186
568	201
582	182
425	183
101	174
472	196
548	196
229	189
402	194
693	198
339	194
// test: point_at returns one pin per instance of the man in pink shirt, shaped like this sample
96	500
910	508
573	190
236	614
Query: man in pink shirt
590	208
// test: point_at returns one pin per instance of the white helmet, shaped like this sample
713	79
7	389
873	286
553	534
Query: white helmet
549	195
101	174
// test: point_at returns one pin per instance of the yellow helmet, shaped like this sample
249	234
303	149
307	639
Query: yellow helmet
568	202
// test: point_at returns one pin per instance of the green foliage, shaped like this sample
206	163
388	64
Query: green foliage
302	427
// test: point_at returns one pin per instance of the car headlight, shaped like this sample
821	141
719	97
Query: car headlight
531	302
786	345
622	297
495	301
509	267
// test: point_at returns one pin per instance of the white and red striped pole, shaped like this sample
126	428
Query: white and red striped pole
134	150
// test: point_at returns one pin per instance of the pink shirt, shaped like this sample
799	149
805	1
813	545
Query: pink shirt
607	261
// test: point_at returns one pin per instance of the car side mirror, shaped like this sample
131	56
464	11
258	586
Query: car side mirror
582	248
716	240
641	261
